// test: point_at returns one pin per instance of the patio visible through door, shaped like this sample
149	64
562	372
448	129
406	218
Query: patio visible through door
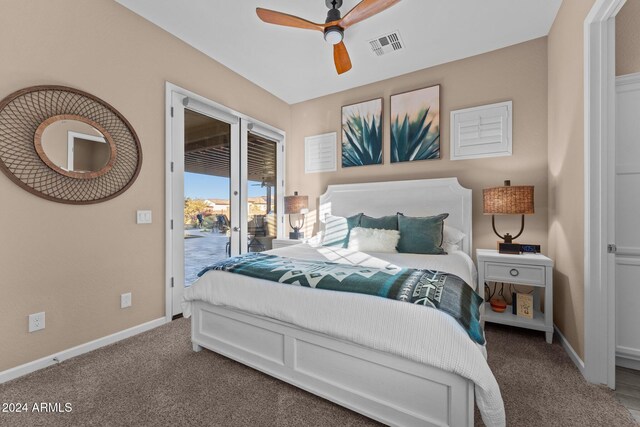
207	190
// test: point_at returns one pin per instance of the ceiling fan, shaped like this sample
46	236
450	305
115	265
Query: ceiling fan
334	26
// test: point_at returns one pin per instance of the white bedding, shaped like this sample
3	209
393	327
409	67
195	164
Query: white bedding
373	321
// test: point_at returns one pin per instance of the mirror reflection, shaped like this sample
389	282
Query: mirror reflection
75	146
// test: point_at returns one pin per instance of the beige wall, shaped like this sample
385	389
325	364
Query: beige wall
73	262
628	38
517	73
566	168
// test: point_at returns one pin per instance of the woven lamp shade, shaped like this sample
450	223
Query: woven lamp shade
508	200
295	204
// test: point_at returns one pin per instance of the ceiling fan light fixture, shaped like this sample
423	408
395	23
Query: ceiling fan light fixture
333	27
334	35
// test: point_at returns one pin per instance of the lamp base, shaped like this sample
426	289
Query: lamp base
296	235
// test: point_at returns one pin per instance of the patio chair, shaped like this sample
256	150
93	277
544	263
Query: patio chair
223	223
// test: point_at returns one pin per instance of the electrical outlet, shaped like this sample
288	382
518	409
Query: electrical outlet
125	300
36	321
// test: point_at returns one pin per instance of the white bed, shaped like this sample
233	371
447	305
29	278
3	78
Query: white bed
360	351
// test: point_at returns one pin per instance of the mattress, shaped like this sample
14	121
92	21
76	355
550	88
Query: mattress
378	323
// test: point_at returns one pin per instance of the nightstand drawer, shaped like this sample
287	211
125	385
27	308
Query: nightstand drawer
510	273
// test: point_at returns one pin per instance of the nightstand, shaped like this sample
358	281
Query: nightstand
527	269
281	243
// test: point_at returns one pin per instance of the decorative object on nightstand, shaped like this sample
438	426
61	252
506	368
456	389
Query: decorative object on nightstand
498	304
528	269
296	205
524	305
508	200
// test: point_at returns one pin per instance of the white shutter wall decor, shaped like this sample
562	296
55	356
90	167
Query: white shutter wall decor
484	131
320	153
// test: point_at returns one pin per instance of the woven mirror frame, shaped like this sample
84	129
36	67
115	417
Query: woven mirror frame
23	116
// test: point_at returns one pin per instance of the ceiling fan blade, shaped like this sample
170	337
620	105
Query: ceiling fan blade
365	9
279	18
341	58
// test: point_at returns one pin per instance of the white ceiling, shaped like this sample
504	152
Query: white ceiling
296	65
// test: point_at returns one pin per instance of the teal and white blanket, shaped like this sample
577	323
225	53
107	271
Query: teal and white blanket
443	291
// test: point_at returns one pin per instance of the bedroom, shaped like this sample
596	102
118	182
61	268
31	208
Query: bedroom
74	262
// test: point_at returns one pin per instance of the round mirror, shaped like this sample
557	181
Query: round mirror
75	146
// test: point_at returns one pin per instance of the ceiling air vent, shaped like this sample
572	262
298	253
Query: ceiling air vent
387	43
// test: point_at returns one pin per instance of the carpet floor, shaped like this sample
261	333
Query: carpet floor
154	379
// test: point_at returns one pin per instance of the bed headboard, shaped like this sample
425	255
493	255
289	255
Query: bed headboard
421	197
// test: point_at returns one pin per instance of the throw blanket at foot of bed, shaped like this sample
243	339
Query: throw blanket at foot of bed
443	291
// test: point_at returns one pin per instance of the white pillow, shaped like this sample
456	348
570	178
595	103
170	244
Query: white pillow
452	240
450	247
373	240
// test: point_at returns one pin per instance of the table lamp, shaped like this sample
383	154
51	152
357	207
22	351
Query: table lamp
296	205
508	200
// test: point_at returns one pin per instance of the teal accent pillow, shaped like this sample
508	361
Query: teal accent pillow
421	235
338	228
384	223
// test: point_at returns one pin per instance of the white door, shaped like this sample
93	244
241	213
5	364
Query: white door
262	186
206	157
627	221
226	184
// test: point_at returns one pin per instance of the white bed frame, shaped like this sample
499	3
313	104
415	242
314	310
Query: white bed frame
382	386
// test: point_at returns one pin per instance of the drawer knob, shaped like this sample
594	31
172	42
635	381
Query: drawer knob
514	272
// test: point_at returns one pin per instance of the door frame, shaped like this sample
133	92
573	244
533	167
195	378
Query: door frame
180	105
246	122
599	192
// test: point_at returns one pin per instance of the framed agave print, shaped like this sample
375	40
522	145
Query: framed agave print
415	125
362	133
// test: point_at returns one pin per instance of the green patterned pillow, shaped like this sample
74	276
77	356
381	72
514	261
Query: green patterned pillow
421	235
338	228
383	223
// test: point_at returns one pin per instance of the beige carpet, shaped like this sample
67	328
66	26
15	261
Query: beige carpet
154	379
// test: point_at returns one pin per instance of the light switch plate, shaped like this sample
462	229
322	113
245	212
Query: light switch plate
143	217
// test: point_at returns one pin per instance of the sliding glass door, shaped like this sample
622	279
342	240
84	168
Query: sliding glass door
226	186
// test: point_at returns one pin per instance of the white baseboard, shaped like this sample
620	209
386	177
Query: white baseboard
628	358
570	351
626	362
56	358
